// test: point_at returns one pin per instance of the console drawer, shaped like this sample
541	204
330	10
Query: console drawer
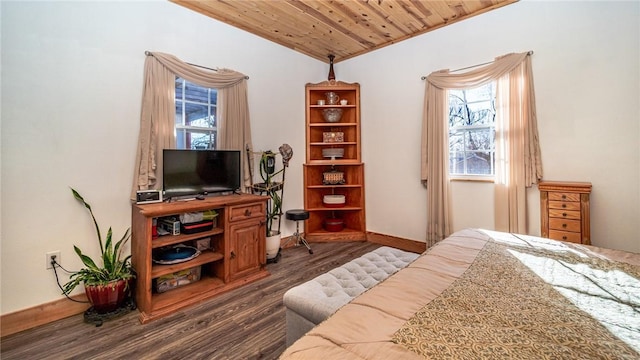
250	211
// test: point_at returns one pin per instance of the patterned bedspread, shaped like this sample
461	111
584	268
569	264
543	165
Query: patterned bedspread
531	302
481	295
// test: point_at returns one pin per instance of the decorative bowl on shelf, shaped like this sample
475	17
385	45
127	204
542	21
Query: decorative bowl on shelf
332	114
333	224
333	200
333	152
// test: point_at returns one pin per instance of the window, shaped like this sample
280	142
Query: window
195	125
472	115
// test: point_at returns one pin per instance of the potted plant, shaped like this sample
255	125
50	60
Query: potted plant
273	189
108	283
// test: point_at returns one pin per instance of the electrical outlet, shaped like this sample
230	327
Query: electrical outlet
53	254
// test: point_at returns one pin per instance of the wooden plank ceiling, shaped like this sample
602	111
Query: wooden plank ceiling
344	28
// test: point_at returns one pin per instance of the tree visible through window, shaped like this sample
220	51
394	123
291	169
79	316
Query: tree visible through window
472	115
195	124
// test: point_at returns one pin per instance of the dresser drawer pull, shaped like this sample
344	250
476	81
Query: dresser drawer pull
247	212
564	205
564	196
564	226
564	214
564	237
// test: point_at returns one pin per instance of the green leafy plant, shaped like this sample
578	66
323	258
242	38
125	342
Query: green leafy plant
114	266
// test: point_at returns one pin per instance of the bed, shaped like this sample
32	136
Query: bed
481	294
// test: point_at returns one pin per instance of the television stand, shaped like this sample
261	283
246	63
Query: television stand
237	254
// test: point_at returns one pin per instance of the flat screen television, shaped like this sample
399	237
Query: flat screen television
195	172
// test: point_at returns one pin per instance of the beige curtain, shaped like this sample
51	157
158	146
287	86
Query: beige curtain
518	163
435	163
158	114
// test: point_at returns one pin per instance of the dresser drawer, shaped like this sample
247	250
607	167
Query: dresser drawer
249	211
562	196
566	205
564	225
564	214
565	236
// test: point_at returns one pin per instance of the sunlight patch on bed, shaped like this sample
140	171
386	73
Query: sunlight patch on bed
610	296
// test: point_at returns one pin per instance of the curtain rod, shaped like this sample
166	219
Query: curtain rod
530	52
149	53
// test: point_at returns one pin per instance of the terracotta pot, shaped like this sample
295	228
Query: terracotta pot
109	297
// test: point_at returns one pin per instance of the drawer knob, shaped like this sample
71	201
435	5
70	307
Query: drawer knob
564	214
564	226
564	205
247	212
564	196
233	255
564	237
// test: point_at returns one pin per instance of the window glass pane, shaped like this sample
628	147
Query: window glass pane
181	139
456	141
197	115
202	141
456	163
179	87
212	116
481	113
213	96
479	163
196	93
480	139
179	113
457	111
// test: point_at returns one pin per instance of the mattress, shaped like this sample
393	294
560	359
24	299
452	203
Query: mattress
481	294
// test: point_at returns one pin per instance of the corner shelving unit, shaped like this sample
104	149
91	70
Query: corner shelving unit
350	164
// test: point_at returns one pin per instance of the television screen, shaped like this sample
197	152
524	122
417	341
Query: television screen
193	172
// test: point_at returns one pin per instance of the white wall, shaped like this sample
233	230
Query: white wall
71	86
71	90
586	68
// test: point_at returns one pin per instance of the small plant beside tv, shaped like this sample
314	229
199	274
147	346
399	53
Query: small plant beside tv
107	283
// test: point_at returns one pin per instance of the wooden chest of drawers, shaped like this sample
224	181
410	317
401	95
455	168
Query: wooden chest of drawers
564	208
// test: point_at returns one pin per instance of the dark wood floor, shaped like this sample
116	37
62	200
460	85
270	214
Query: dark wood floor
247	323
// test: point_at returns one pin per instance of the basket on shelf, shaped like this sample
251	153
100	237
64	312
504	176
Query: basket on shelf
333	137
333	177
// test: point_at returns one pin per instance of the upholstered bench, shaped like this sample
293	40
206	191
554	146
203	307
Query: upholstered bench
310	303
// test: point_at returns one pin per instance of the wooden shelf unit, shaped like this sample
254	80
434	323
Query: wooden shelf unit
565	211
238	254
353	212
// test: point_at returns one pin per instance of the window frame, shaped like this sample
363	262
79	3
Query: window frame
464	129
185	130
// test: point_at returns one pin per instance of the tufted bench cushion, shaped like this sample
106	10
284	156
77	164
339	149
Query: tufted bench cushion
312	302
